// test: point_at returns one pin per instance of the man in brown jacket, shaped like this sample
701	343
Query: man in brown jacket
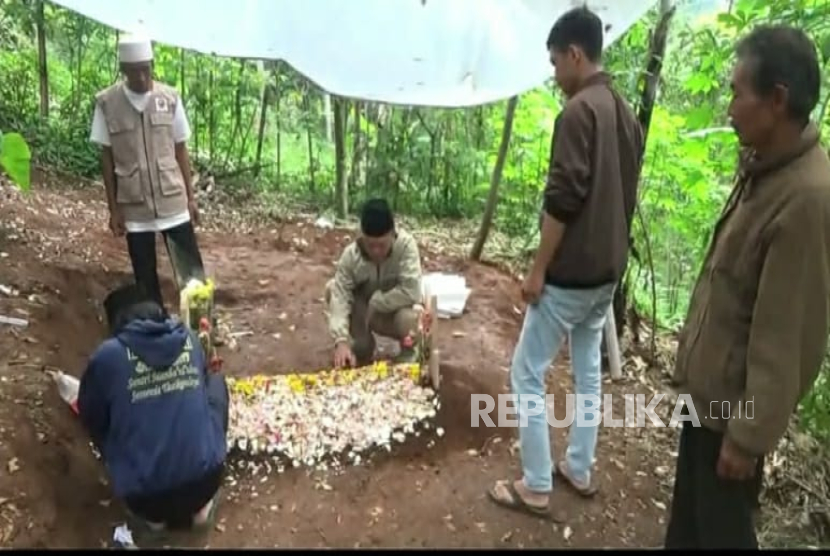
757	326
589	200
143	130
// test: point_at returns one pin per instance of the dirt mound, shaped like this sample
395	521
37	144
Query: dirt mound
54	493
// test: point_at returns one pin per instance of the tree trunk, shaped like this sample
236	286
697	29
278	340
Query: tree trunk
237	113
328	111
212	111
79	60
197	114
341	188
263	118
312	186
655	65
651	81
116	66
182	73
278	94
357	148
43	72
243	148
493	195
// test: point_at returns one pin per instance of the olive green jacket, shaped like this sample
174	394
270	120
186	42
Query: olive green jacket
387	287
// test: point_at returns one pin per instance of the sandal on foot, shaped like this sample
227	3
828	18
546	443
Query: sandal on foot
210	519
586	491
146	530
515	501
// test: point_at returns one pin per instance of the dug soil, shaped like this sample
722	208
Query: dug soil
59	261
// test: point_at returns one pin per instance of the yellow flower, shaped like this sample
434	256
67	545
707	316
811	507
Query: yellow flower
244	387
199	292
296	383
381	369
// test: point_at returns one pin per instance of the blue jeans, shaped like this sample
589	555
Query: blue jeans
560	312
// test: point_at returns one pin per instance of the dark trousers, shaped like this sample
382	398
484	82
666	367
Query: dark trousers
218	398
182	250
707	511
176	507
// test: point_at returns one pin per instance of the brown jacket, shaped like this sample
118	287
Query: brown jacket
596	154
759	316
149	182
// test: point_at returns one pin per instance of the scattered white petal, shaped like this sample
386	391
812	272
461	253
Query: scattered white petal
309	420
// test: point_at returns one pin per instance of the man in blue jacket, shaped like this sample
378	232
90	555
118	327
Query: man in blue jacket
156	415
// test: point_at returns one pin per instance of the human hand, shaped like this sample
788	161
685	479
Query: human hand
733	463
532	287
117	226
343	356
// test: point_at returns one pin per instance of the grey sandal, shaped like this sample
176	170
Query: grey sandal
515	502
585	491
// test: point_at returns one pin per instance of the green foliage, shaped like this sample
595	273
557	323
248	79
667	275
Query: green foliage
815	408
426	161
15	159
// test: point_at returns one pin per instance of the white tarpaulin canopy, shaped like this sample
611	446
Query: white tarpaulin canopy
417	52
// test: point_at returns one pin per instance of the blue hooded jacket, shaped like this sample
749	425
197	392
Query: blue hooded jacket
144	400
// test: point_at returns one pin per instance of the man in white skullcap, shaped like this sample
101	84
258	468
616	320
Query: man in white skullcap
143	130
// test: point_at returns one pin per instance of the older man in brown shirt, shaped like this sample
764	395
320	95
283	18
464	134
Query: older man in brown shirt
759	317
590	194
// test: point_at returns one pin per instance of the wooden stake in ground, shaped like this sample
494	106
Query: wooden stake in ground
428	356
612	344
433	354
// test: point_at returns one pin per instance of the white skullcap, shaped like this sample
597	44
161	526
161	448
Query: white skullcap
134	47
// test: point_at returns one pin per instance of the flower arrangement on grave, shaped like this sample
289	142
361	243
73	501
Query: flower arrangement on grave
196	311
308	418
299	383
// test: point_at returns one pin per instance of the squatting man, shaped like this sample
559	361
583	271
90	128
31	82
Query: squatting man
155	413
375	289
